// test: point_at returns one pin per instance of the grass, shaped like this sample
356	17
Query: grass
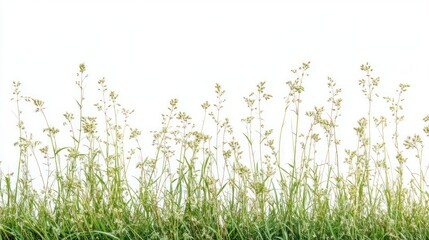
207	181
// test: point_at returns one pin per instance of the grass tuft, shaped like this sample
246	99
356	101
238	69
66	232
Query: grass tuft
207	181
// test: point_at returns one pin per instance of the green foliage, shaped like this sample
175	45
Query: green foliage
214	183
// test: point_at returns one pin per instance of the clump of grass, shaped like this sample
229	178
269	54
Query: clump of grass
207	181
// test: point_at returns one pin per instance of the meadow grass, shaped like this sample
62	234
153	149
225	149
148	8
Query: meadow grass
207	181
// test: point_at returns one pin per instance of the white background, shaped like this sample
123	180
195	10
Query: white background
152	51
